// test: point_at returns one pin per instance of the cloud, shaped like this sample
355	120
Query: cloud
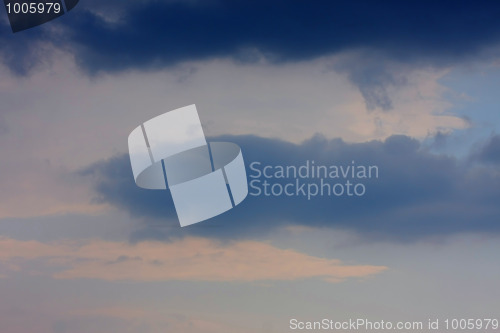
374	74
490	152
166	32
125	35
418	193
188	259
62	120
23	54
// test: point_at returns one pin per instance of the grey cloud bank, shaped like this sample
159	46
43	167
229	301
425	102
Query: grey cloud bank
418	194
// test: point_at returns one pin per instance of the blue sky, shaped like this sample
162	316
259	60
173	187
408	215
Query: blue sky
408	86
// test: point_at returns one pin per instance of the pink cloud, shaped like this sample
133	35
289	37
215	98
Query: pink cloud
192	259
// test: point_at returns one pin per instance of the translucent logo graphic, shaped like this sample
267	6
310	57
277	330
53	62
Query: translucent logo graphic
28	14
170	151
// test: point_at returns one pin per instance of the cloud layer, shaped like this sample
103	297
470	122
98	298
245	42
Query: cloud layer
118	36
189	259
418	193
166	32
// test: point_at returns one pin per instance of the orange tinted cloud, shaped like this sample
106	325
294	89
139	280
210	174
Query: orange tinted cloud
194	259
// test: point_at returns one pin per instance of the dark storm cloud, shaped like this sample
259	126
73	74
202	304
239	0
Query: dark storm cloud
165	32
157	33
120	35
418	194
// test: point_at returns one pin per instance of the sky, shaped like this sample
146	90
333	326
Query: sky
409	87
